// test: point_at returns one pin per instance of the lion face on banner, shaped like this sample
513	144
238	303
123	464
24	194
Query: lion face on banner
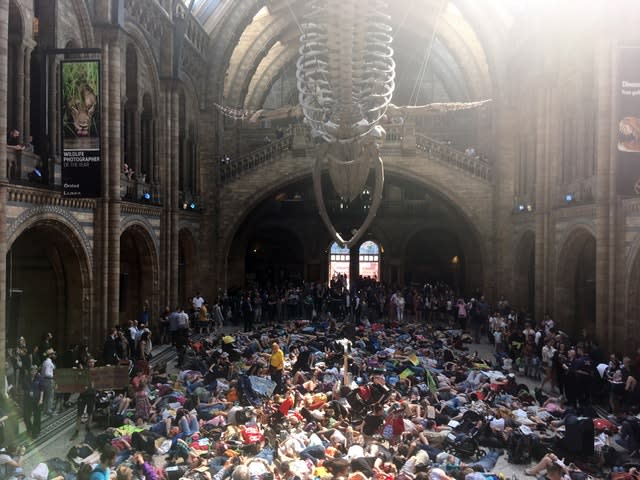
82	109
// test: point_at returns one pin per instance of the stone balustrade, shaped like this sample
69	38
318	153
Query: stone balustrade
231	168
440	151
134	190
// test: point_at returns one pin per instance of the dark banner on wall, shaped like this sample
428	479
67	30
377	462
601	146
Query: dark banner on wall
80	96
628	140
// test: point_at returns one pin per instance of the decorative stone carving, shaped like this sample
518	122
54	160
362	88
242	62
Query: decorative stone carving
142	222
32	216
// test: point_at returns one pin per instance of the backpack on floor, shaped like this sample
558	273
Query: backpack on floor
519	448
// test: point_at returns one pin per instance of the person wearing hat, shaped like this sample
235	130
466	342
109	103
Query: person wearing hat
47	370
32	401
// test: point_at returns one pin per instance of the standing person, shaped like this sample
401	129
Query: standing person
400	302
181	334
357	307
32	402
548	324
482	311
548	353
247	313
197	303
257	308
174	319
218	319
584	368
48	370
86	405
143	318
21	363
110	349
164	326
276	366
462	313
570	380
46	343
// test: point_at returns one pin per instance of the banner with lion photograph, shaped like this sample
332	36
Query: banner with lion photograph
628	137
80	98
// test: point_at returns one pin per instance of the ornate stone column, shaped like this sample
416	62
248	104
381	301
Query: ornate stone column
101	283
26	108
605	195
499	279
114	168
174	158
169	175
19	101
4	54
4	59
155	153
161	172
541	207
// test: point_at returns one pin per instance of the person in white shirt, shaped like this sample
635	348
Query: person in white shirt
47	371
528	331
197	302
548	324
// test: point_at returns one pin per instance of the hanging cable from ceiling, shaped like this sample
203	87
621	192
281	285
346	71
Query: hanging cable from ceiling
417	87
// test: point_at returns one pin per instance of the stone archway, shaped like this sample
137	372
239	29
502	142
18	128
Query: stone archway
138	272
48	286
187	266
628	329
575	300
436	254
274	255
524	274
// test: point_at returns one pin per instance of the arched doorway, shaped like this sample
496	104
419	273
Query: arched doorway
339	263
433	255
48	287
137	272
274	256
187	266
369	260
576	283
625	338
524	274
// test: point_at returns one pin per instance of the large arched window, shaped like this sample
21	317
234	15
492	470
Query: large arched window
338	262
369	260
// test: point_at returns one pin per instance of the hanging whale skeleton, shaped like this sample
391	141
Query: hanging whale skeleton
345	79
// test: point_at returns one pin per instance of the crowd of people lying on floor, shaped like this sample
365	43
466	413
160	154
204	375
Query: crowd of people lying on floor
375	397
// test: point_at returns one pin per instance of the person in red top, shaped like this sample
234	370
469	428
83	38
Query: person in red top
286	404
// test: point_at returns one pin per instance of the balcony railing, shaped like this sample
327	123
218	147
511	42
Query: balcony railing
134	190
471	164
21	167
231	168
